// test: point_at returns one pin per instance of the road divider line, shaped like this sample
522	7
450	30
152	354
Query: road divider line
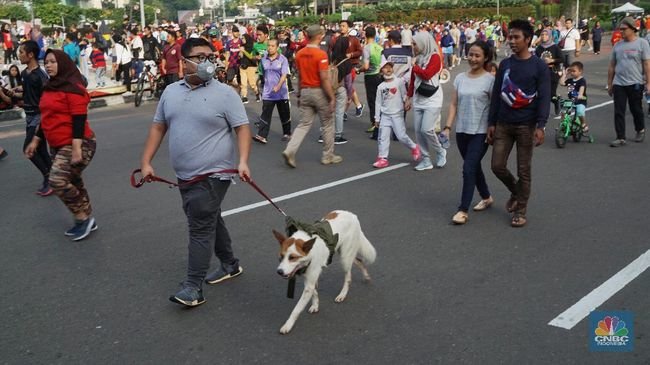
314	189
598	296
594	107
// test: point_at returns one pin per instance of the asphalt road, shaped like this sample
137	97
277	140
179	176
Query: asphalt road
482	293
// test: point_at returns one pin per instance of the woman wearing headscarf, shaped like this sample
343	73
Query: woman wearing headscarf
426	99
64	124
549	52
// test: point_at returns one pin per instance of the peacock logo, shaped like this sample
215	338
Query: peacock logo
611	326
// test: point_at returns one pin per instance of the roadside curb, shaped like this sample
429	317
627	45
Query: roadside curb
97	101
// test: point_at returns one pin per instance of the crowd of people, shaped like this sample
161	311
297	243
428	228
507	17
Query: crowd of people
505	105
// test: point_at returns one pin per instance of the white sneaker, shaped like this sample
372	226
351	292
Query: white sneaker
128	93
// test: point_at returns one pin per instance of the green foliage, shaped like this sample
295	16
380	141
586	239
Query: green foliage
93	15
14	11
434	14
364	14
52	12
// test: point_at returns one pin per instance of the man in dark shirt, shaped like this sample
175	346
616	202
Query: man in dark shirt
34	79
151	46
518	112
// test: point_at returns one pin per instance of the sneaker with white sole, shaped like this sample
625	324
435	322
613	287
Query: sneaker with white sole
188	296
332	159
84	229
425	164
223	274
441	159
72	231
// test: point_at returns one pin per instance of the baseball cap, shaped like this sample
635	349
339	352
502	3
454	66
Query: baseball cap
629	22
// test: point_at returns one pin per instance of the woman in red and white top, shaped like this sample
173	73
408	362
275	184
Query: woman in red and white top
425	97
64	124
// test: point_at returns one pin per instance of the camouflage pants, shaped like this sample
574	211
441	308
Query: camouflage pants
65	178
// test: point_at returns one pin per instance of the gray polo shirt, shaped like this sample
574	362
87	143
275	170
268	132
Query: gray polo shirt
629	57
200	123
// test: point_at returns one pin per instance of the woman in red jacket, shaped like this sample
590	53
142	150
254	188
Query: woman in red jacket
64	124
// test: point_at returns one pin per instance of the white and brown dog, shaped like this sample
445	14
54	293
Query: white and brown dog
309	253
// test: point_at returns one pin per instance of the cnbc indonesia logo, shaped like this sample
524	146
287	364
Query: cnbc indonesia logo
611	331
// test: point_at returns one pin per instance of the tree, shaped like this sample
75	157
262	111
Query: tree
94	15
14	11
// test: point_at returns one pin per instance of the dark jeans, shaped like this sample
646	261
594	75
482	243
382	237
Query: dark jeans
284	109
472	148
202	206
372	83
633	95
505	137
170	79
597	46
41	158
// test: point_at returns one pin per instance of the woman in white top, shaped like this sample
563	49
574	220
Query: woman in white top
470	105
426	99
124	58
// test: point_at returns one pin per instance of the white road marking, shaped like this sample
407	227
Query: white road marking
313	190
598	296
594	107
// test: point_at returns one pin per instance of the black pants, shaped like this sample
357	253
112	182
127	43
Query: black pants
596	46
284	109
125	70
372	83
633	95
170	79
8	54
208	232
41	158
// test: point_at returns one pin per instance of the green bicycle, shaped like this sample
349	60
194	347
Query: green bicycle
569	125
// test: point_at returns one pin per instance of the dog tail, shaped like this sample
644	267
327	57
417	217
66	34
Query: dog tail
367	250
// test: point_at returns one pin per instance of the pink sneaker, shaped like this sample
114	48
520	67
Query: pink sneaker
416	154
380	163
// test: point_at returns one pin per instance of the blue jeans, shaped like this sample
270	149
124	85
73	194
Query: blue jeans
472	148
202	206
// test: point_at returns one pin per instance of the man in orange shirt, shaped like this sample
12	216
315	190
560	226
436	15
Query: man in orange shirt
315	96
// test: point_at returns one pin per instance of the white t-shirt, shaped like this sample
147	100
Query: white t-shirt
571	38
470	35
407	37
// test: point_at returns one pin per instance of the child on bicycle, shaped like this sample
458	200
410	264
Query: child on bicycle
577	91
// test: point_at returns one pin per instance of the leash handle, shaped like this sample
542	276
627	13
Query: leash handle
152	178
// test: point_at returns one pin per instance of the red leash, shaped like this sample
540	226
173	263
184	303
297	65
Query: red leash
195	179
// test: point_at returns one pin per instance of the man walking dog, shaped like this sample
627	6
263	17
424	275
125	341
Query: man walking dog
200	114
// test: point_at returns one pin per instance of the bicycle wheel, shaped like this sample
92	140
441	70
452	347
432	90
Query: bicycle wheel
139	91
561	134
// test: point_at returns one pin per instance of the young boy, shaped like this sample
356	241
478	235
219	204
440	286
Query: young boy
577	88
99	63
389	115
